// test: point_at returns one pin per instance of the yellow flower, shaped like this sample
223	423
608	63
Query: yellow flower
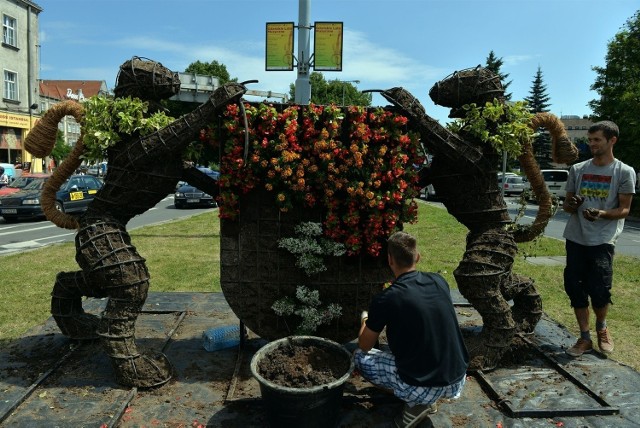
281	197
268	186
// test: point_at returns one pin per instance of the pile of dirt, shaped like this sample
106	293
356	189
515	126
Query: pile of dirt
302	366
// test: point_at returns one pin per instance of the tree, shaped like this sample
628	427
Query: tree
213	68
618	84
334	91
494	63
61	149
538	99
539	103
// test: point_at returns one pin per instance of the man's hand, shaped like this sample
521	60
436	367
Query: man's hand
574	201
591	214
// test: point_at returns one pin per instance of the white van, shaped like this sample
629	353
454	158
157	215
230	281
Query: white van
556	181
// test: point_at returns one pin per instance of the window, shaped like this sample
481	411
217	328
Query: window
8	30
10	85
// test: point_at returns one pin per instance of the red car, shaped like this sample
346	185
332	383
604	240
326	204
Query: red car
19	183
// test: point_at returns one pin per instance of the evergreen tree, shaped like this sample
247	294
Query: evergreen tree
494	63
538	99
539	103
618	84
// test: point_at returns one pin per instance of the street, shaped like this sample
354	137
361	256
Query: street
15	237
628	243
32	234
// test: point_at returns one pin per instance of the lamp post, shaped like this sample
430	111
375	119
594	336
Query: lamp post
344	87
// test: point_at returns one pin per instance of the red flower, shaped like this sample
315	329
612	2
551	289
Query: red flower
364	183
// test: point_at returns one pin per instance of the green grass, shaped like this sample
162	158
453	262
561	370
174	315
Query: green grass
184	255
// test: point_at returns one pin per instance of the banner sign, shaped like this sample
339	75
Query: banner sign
279	47
327	49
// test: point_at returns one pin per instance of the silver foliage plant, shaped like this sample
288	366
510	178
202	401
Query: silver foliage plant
306	305
310	248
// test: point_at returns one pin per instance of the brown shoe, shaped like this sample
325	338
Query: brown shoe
580	347
605	343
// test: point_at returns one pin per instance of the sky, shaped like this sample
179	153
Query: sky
387	43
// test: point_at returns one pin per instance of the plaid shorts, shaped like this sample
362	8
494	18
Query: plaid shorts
379	368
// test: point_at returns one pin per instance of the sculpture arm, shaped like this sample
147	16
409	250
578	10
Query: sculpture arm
436	137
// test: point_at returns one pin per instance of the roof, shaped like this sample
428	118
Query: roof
72	89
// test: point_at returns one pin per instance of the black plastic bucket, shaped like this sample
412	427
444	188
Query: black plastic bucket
317	406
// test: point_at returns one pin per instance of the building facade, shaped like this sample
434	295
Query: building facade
55	91
577	129
19	64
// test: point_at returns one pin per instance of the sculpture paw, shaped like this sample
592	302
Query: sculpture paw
405	101
227	93
143	371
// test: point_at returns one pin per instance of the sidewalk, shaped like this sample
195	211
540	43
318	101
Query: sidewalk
47	380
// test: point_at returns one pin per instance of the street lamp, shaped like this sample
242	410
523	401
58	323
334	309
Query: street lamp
344	87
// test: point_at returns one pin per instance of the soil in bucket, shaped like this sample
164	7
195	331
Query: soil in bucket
302	380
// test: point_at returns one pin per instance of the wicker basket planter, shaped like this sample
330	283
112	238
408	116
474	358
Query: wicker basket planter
255	272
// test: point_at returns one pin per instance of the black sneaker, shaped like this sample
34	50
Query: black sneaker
412	416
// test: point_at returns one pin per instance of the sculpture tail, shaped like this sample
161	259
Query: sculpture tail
40	142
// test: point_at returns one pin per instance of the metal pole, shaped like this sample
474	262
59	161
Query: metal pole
303	85
504	171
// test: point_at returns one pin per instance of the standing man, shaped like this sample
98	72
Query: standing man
599	194
428	358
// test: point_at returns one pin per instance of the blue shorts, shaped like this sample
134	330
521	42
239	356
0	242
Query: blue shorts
588	274
379	368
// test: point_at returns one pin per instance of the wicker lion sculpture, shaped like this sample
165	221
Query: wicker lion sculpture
484	276
142	171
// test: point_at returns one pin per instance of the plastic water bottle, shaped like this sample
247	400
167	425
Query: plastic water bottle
222	337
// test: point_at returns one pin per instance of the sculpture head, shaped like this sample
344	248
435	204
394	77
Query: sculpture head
472	85
146	79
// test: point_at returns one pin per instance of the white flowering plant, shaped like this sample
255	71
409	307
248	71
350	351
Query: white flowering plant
310	247
307	306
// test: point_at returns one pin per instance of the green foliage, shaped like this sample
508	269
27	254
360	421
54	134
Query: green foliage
306	305
310	247
504	126
107	118
213	68
618	87
61	149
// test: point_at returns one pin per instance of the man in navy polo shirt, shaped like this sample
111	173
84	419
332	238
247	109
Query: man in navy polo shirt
428	358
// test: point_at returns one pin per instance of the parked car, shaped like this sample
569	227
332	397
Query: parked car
187	195
556	181
20	183
428	192
513	185
73	197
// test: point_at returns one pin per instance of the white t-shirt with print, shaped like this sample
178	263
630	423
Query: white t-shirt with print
600	187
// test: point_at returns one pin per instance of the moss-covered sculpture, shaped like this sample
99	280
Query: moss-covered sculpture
142	171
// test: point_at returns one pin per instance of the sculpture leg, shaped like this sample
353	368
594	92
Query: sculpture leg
66	306
117	331
527	303
112	264
485	266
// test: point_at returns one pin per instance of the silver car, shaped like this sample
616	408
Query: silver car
514	185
